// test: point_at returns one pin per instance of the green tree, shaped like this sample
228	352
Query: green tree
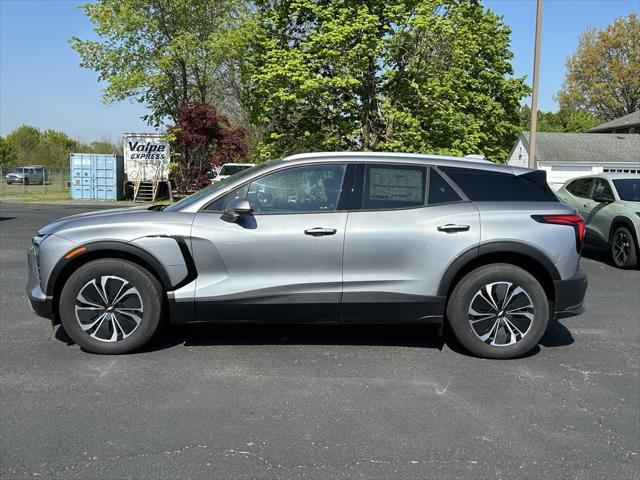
53	148
426	76
165	53
24	139
7	152
104	146
564	120
603	75
27	145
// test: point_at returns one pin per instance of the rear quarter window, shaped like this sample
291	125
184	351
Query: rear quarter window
489	186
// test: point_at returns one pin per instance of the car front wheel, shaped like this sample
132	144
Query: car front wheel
623	248
111	306
498	311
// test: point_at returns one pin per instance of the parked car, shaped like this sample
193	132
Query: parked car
26	175
610	205
229	169
334	237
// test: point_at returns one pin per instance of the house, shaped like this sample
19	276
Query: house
627	124
567	155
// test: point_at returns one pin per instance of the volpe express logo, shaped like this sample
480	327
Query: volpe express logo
147	151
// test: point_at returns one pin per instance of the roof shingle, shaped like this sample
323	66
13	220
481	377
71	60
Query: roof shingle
627	121
586	147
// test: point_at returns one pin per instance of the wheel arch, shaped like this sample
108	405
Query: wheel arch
622	221
521	255
99	250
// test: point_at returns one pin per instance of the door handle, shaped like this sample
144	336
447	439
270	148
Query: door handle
450	227
319	231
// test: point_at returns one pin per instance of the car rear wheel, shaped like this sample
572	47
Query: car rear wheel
623	248
498	311
111	306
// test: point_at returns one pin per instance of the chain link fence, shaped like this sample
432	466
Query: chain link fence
28	181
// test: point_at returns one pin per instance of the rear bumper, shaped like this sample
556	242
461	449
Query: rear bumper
569	295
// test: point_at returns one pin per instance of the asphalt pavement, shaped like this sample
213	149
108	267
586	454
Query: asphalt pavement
317	401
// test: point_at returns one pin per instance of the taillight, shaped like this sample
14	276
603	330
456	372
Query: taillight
575	221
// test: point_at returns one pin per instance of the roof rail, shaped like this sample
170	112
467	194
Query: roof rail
425	156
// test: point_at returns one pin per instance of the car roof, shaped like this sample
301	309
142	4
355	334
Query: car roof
400	157
609	176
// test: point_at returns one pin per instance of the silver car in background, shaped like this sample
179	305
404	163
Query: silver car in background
29	174
325	237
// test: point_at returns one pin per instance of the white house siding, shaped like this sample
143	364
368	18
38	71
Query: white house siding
519	157
558	173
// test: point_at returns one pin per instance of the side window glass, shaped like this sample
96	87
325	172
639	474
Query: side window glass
315	188
393	186
580	187
219	204
439	190
602	186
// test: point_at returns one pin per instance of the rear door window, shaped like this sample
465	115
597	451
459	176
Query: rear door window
580	187
393	186
491	186
601	186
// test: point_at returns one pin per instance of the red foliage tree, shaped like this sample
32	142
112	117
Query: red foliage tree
203	139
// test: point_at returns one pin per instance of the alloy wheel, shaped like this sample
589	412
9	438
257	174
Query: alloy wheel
501	314
109	308
621	248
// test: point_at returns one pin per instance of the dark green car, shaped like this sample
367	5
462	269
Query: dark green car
610	206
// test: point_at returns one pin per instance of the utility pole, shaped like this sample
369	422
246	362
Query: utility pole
534	94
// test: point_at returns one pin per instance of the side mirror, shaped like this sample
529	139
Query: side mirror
211	174
602	198
235	208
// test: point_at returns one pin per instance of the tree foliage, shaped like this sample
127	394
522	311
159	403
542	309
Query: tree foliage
7	152
165	53
300	75
603	75
202	139
563	120
425	76
28	145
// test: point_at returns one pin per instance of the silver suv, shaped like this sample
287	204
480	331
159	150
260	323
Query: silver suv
326	237
26	175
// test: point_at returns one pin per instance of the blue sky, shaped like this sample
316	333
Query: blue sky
42	84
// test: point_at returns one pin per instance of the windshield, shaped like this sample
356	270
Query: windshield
233	169
628	189
216	187
19	170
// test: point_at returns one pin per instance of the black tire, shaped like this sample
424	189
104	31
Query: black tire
624	251
148	294
25	181
467	293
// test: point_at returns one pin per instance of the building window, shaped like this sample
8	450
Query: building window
621	170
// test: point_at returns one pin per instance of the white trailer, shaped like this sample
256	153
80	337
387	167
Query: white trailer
146	156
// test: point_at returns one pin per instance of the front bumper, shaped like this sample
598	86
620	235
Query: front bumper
569	295
40	303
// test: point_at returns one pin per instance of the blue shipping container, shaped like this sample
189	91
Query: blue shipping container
97	176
